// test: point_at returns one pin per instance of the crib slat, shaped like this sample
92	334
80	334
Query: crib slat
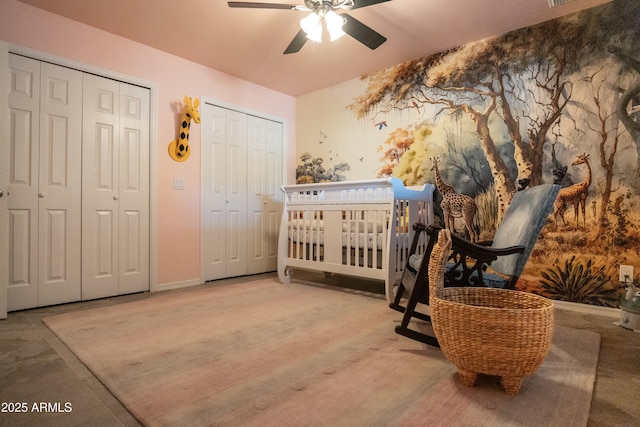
349	219
373	217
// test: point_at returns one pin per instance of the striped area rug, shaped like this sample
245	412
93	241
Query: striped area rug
262	353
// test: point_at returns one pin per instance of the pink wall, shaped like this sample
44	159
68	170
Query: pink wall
178	211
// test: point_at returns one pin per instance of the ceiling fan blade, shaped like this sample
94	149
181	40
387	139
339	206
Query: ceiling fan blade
296	44
364	3
254	5
364	34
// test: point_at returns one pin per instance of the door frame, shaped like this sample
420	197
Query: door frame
251	112
5	49
5	75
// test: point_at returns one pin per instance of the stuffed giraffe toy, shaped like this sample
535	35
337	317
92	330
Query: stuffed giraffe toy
179	148
455	205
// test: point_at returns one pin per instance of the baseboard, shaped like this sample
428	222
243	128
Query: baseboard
588	308
176	285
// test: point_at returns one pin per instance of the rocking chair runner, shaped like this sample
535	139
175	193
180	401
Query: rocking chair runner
496	263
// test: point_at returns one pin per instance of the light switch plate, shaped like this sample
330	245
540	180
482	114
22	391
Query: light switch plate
178	183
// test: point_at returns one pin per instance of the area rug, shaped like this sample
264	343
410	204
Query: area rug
262	353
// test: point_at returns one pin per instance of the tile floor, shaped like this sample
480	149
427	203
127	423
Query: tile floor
42	378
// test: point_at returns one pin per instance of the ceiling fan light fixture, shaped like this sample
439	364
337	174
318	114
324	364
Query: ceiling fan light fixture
334	23
323	17
312	26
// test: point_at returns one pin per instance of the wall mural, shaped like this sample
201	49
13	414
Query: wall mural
556	102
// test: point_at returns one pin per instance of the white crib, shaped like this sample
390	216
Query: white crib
355	228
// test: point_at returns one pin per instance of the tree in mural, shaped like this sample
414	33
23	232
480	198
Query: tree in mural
630	99
605	123
308	169
312	170
392	150
522	80
413	166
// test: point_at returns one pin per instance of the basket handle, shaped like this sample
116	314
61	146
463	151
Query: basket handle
437	262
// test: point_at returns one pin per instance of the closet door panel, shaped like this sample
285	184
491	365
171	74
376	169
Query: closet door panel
23	268
22	188
236	194
236	176
215	247
59	183
103	246
264	199
5	76
100	183
256	179
273	165
133	194
214	202
234	246
273	192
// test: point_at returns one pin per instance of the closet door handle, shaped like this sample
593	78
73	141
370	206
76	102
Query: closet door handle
115	197
41	195
1	193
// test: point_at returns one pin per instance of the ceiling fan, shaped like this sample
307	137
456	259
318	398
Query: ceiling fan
325	11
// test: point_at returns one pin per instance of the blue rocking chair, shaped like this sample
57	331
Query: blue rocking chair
497	263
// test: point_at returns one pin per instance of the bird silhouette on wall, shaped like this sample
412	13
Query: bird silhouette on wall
381	125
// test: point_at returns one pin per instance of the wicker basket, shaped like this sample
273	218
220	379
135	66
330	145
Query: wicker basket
489	331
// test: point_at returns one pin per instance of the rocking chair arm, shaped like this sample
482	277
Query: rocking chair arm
482	250
506	251
419	227
470	260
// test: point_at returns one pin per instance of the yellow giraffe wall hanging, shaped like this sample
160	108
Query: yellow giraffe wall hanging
179	148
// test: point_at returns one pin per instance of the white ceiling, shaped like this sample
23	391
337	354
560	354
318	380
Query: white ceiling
248	43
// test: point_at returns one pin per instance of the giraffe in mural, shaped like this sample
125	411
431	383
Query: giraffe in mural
575	194
179	149
454	205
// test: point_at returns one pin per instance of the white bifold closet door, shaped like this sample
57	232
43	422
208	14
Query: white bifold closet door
43	192
241	197
77	192
224	173
115	188
264	195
